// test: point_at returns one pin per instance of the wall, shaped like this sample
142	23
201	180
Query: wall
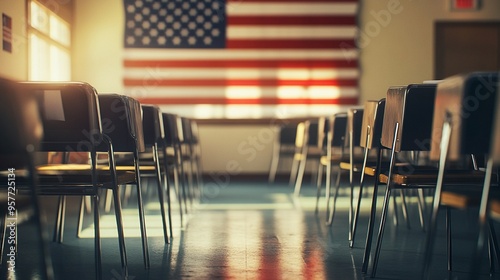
397	49
396	40
15	65
97	44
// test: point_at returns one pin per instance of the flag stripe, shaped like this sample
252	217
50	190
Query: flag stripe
331	92
292	1
286	32
292	20
302	8
247	101
239	82
235	54
241	63
242	73
290	44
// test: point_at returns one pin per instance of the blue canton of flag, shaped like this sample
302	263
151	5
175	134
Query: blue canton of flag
175	24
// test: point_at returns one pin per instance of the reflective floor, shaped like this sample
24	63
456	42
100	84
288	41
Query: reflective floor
250	230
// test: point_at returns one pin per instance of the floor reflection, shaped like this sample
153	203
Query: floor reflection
248	231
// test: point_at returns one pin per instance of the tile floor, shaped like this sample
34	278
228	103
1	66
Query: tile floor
248	230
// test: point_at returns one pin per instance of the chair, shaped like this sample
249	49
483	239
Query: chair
154	135
22	132
196	157
172	159
489	206
189	158
309	150
72	123
122	117
371	130
284	146
461	130
148	161
335	127
354	163
404	128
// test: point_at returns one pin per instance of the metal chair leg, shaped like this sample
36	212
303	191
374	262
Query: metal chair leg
373	211
421	208
405	208
119	226
79	227
494	244
449	240
331	214
97	239
160	194
318	188
142	220
431	231
57	224
3	231
358	203
385	205
381	230
300	174
169	205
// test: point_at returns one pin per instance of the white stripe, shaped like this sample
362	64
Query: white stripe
242	8
281	32
233	92
222	54
253	111
239	73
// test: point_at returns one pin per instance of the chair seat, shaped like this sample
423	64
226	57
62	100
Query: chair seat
79	176
427	176
56	168
494	202
334	158
370	168
356	167
462	198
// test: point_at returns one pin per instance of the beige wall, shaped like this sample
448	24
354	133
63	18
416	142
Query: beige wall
15	65
399	49
97	43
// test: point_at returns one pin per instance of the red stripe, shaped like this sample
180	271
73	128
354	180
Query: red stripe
293	1
248	101
290	44
239	82
243	63
291	20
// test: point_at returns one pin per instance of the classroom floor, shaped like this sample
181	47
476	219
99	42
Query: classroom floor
246	229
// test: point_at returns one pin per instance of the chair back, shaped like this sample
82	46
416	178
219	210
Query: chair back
495	142
412	108
288	133
468	101
187	130
313	133
339	126
373	119
20	123
122	121
70	115
152	125
170	127
354	122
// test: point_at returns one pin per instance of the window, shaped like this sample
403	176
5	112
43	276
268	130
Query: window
49	45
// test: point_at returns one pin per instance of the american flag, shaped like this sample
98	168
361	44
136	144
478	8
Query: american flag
242	58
